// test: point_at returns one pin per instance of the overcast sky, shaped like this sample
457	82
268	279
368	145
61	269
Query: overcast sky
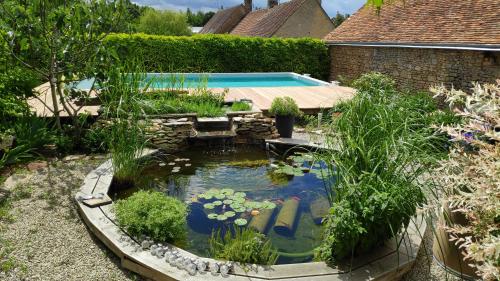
331	6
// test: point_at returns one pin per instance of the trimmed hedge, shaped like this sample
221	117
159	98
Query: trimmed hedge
222	53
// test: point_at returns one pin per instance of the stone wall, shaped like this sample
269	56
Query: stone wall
174	133
416	68
170	134
254	129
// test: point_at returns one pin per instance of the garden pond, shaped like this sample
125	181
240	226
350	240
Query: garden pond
241	188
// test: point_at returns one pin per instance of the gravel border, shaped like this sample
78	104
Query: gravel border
47	239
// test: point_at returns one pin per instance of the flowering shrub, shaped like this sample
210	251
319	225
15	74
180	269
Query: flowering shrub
471	176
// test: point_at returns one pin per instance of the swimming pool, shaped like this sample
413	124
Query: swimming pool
223	80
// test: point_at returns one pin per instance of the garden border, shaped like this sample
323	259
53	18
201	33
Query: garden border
385	263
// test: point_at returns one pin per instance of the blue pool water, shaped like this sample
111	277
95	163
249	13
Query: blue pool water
223	80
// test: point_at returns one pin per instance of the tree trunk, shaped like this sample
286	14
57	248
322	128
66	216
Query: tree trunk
55	105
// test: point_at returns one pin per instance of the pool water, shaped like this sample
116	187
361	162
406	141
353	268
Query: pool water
244	177
222	80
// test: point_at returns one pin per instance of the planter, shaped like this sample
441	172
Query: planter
448	254
284	124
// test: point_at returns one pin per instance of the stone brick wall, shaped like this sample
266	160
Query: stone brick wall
416	68
253	129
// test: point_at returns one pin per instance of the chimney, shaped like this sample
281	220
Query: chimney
272	3
248	5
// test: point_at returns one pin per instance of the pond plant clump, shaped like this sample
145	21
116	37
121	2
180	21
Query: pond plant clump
149	213
379	148
245	246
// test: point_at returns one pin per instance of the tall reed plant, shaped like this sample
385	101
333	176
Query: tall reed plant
376	152
127	121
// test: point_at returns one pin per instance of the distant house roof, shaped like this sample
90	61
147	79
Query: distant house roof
266	22
225	20
423	22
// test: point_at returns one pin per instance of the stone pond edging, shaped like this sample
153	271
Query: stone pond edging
386	263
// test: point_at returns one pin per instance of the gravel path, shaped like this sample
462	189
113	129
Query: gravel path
43	238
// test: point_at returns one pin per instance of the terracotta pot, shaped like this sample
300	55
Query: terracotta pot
446	252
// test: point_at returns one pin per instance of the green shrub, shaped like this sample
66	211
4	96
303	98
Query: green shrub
222	53
378	150
246	246
202	102
152	214
240	106
285	106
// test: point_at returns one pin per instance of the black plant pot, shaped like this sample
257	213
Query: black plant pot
284	124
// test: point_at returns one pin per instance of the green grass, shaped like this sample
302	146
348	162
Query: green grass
240	106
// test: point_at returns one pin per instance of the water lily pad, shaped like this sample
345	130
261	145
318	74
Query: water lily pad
227	201
240	194
240	222
217	203
229	214
239	200
212	216
220	196
221	217
268	205
208	206
227	191
240	210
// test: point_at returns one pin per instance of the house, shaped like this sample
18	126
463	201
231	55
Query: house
420	43
295	18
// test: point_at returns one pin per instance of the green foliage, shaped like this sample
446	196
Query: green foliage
198	19
152	214
222	53
203	102
240	106
245	246
379	148
285	106
126	136
60	41
163	23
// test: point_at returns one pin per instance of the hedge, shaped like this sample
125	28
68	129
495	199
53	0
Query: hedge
222	53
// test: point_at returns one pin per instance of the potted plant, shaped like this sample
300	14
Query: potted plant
285	109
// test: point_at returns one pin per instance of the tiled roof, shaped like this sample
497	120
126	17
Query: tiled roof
266	22
225	20
469	22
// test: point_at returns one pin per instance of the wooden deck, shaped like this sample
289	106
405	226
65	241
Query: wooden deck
309	99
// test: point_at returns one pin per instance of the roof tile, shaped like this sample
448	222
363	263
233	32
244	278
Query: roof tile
423	21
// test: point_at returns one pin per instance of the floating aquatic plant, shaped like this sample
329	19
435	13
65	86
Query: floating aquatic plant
240	222
234	201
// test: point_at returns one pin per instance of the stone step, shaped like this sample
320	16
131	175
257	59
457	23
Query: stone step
207	124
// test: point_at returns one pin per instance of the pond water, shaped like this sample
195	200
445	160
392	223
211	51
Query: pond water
240	187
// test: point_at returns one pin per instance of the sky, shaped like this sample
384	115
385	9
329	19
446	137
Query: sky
331	6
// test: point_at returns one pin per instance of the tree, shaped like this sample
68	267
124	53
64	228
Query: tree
198	19
163	23
60	40
339	19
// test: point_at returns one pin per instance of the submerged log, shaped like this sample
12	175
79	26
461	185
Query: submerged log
285	223
260	221
319	209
